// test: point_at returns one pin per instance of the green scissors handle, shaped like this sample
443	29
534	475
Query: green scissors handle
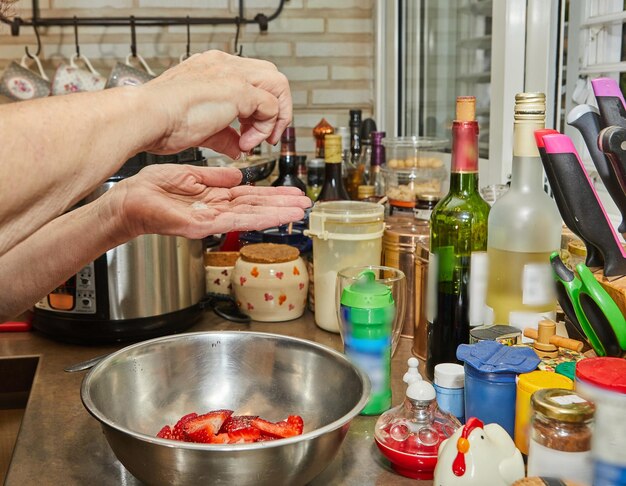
593	307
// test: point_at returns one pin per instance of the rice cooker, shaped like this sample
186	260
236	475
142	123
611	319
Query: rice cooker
151	286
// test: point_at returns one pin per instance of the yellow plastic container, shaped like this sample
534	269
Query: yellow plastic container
527	384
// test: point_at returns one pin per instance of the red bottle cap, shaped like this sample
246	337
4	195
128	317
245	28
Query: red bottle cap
607	373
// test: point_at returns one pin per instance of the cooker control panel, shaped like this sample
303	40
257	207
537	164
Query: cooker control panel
75	296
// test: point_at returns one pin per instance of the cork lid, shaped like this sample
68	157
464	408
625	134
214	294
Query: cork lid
220	258
465	108
269	253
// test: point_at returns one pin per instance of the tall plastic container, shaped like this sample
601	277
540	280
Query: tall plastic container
345	234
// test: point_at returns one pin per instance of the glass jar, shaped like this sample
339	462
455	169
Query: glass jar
560	436
425	204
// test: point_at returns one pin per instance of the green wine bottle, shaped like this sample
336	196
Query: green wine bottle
458	231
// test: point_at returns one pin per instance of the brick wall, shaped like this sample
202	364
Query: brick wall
325	47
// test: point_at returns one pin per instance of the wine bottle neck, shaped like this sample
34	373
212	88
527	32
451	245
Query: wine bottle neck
526	169
464	147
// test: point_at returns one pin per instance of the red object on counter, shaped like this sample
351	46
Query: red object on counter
231	242
16	326
606	373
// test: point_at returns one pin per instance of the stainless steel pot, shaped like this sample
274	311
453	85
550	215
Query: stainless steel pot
148	287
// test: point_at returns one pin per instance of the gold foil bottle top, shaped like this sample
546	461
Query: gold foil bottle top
465	108
530	106
322	128
332	149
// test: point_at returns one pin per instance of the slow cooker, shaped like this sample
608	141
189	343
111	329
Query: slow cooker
150	286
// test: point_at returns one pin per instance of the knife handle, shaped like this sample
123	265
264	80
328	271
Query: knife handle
610	101
594	257
581	198
586	120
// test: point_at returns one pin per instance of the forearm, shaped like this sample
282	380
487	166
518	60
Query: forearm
57	150
51	255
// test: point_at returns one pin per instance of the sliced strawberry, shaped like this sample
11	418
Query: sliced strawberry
244	435
203	427
281	429
265	437
296	422
165	432
177	432
236	422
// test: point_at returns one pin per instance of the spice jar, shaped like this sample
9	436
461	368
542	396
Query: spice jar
560	438
424	205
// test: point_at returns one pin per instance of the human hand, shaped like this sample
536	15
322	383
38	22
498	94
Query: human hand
200	97
194	202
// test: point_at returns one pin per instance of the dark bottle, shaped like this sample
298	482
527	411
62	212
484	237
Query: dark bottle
351	176
458	232
288	161
333	188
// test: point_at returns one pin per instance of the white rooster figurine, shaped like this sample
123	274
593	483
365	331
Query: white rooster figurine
478	455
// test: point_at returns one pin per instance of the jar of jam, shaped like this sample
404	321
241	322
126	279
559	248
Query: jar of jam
424	205
560	435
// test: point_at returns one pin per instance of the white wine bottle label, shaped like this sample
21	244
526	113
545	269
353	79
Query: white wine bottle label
537	284
479	272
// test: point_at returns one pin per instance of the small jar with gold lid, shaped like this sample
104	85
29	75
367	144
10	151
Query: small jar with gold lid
560	436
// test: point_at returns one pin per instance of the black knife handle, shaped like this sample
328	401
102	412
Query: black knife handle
594	257
587	122
581	198
610	101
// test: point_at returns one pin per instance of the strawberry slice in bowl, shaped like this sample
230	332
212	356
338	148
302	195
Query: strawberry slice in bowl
203	427
290	427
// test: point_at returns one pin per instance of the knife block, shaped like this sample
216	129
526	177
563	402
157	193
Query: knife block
616	288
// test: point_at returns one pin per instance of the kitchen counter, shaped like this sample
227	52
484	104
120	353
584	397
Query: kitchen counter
60	443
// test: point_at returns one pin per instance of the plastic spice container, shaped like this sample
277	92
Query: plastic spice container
449	385
490	372
527	384
603	380
560	439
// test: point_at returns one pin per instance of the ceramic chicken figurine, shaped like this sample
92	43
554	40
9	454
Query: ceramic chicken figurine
478	455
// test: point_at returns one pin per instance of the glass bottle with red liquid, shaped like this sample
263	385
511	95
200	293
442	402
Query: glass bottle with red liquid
288	161
409	435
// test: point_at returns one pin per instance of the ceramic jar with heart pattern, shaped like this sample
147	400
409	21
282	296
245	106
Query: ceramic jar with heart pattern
270	282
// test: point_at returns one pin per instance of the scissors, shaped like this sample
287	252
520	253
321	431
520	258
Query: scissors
590	308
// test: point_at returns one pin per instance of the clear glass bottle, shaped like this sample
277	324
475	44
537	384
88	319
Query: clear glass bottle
524	229
288	161
333	188
458	240
351	176
415	428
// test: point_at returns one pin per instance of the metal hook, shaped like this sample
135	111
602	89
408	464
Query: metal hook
38	44
76	36
188	50
238	48
133	37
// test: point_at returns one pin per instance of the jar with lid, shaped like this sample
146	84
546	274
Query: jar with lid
560	435
314	177
425	204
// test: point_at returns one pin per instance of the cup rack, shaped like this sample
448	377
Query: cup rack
37	21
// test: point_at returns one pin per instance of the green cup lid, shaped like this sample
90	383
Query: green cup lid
568	368
366	292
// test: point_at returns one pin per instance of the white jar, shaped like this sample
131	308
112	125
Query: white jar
274	290
345	234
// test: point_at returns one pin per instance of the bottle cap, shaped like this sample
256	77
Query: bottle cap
449	375
377	137
367	128
562	405
315	163
530	106
365	191
344	132
366	293
418	389
355	117
465	108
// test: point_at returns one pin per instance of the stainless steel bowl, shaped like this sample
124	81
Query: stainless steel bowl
137	390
